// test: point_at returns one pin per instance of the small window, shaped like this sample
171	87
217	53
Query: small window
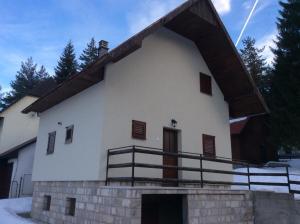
51	142
205	84
46	202
70	206
209	148
69	134
139	130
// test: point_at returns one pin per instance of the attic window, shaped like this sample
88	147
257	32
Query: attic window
205	84
69	134
51	142
209	147
139	130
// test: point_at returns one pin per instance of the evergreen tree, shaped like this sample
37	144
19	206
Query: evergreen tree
27	79
255	63
1	100
89	54
67	64
285	86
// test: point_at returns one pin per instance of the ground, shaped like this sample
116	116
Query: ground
9	208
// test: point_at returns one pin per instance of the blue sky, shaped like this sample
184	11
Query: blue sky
41	29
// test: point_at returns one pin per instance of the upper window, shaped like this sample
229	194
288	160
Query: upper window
69	134
51	142
139	130
205	84
209	147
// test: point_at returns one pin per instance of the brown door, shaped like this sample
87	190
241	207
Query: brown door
170	144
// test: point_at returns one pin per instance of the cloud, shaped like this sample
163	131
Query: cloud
149	11
222	6
267	41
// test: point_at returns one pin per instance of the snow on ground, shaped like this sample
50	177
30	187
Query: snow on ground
294	175
294	163
10	207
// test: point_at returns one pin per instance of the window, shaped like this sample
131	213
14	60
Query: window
46	202
69	134
139	130
209	148
70	206
51	142
205	84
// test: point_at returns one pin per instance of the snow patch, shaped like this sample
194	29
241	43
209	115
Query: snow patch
294	174
9	208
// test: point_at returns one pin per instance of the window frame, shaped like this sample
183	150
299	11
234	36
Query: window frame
205	84
69	140
205	137
51	134
135	135
46	202
70	206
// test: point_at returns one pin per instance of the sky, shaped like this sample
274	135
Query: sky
41	29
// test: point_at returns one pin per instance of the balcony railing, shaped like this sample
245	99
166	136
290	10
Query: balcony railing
206	165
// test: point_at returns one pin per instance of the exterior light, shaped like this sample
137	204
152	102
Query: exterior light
173	123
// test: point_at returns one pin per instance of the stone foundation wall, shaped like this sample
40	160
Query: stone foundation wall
96	203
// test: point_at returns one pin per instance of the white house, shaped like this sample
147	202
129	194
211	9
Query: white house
16	127
18	133
170	89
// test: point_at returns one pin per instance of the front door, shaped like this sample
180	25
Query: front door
170	144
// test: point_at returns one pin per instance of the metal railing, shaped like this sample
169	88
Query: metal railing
134	150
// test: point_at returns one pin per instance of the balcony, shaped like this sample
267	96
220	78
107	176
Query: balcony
138	165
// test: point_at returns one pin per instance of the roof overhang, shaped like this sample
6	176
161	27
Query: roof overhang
198	21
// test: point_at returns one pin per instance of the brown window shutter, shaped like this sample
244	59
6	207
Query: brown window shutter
51	142
209	147
205	84
139	130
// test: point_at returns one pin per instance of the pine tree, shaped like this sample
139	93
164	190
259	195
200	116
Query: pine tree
89	54
26	80
1	100
255	63
67	64
285	86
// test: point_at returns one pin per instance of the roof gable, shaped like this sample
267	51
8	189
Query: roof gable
198	21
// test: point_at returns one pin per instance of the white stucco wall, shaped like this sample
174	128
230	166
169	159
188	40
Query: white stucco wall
18	127
22	165
161	82
154	84
80	159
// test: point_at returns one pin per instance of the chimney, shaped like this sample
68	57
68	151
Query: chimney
103	48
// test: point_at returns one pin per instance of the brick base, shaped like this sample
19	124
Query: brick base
96	203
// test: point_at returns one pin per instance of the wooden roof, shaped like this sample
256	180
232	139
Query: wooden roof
237	127
198	21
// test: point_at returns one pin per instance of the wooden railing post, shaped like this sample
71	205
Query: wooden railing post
107	163
201	171
248	172
288	178
133	165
